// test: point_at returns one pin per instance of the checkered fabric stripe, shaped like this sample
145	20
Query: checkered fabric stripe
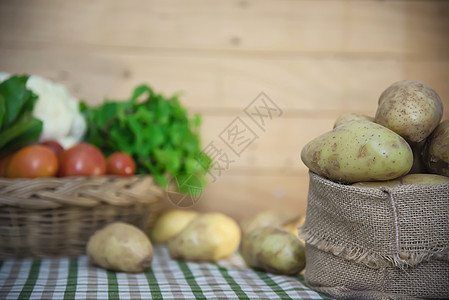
76	278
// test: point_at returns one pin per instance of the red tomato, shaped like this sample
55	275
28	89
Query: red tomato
120	163
53	146
31	162
82	160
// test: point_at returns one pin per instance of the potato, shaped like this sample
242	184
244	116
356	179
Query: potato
378	184
170	223
273	250
436	152
288	221
268	218
292	226
417	178
418	161
424	179
410	108
120	247
346	117
208	237
358	151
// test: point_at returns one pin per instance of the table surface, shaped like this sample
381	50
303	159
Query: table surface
76	278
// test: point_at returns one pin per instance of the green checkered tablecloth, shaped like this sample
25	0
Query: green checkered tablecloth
76	278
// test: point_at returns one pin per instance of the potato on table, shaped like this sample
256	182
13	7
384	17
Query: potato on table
170	223
267	218
287	220
120	247
274	250
208	237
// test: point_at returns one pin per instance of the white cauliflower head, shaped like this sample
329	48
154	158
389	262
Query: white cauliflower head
58	110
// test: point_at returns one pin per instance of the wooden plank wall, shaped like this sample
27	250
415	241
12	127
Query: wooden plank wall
313	59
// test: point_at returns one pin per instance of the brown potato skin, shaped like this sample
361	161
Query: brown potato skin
418	160
120	247
170	223
273	250
436	152
410	108
424	179
416	178
350	116
270	217
208	237
356	151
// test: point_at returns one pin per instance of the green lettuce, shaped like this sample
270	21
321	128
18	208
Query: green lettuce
18	127
156	131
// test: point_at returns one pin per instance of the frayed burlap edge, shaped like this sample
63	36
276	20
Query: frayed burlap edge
356	254
346	293
368	258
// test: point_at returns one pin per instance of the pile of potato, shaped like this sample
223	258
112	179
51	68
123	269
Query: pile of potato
268	241
189	236
406	136
405	142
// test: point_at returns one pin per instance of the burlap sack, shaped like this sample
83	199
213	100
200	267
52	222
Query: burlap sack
377	244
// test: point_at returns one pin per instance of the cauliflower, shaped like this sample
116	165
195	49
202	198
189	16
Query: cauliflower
57	109
3	76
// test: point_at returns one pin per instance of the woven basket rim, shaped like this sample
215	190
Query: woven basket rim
78	191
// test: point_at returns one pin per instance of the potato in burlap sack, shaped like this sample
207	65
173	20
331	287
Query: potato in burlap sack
368	243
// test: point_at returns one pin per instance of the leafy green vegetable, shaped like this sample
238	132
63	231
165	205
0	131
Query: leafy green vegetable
17	125
156	131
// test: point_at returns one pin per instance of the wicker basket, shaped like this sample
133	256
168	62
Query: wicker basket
48	217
